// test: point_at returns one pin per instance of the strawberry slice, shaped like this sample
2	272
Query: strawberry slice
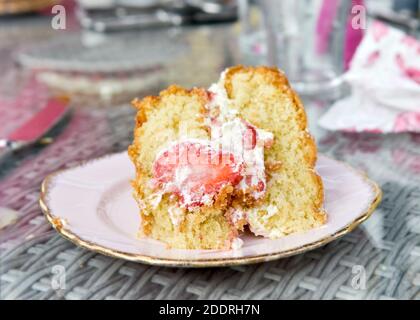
259	186
195	171
250	136
210	95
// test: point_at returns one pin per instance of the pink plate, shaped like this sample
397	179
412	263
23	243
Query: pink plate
92	206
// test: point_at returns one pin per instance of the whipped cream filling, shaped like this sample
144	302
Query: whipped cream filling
176	214
247	144
258	222
237	243
239	137
236	215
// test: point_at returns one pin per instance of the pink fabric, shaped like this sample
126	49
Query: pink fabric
372	58
412	73
379	30
385	80
353	37
407	121
325	23
324	27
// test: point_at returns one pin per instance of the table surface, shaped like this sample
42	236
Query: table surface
378	260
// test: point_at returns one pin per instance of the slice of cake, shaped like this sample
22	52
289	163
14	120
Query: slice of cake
294	195
181	186
211	162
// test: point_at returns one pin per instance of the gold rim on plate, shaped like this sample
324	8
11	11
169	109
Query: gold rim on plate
222	262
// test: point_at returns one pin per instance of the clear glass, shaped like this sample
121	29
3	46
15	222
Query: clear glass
252	38
306	39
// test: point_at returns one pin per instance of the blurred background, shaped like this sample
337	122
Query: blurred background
119	48
69	69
